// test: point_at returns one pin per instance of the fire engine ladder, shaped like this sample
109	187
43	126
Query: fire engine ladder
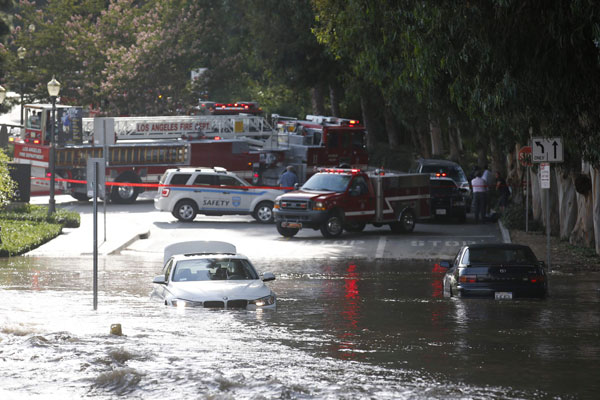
126	155
206	126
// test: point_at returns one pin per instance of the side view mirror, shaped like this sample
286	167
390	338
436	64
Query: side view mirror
160	280
268	276
542	264
296	186
445	264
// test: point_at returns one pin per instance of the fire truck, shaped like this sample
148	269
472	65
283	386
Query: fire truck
140	149
317	141
338	199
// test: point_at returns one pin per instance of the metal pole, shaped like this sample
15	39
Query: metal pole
95	184
527	202
548	260
52	202
105	158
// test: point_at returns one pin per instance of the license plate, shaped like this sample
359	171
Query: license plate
503	295
440	212
292	225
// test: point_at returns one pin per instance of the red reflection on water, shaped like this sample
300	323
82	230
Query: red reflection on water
350	313
35	280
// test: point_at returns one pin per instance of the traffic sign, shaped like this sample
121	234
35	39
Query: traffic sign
547	149
545	175
525	156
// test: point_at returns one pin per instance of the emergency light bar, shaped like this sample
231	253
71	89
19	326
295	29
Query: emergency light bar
339	170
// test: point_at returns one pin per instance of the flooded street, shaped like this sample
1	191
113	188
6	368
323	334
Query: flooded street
343	329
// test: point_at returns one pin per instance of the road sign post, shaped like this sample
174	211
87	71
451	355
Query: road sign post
545	151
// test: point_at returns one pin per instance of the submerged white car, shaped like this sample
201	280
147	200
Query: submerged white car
211	274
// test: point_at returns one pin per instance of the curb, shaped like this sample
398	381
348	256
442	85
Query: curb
142	235
505	232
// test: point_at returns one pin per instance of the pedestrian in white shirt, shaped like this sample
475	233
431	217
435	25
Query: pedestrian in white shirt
479	186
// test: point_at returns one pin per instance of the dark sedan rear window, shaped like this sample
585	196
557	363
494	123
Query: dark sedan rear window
498	256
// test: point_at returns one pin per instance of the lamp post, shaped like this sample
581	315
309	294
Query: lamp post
21	53
53	91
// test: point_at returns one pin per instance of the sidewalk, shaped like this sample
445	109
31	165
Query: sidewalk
122	228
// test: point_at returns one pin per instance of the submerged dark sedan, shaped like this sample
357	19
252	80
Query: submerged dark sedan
501	271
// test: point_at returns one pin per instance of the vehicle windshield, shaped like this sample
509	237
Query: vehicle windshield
211	269
499	256
456	173
327	183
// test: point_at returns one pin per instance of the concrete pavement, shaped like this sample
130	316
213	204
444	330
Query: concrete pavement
127	225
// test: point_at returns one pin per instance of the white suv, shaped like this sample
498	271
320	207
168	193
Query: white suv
186	192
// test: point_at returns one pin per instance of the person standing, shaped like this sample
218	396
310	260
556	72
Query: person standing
289	178
503	191
489	184
479	197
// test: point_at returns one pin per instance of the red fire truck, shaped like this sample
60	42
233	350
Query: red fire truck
142	148
317	141
337	199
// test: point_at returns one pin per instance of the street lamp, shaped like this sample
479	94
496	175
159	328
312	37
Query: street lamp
53	91
21	53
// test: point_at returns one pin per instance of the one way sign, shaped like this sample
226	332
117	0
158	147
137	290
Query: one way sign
547	150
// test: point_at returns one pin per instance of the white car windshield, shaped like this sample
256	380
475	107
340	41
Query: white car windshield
327	183
211	269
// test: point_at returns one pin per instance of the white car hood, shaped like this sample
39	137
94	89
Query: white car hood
218	290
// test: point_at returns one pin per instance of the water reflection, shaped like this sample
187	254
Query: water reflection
356	328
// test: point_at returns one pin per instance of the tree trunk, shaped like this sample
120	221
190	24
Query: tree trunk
567	203
553	204
437	146
536	202
583	231
454	141
481	151
595	175
334	99
515	176
318	105
496	155
391	128
367	116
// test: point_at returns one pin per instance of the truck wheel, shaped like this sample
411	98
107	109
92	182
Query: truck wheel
185	211
80	196
125	194
263	212
286	232
333	226
355	226
405	224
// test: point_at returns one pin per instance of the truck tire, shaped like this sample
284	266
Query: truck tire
286	232
405	224
355	226
185	210
333	226
125	194
80	196
263	212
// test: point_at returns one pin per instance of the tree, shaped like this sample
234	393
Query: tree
7	185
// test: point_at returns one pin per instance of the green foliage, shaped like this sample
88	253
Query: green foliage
514	218
18	237
26	227
7	185
37	213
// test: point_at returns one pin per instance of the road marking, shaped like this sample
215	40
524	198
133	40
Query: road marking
380	247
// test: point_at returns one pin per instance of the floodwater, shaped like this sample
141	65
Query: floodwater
343	330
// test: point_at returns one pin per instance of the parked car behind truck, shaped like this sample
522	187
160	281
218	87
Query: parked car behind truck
336	199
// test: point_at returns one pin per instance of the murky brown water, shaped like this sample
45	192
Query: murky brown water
343	329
